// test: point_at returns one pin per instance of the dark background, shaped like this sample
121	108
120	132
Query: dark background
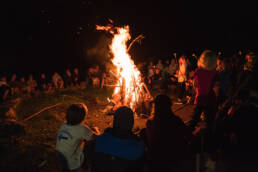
53	35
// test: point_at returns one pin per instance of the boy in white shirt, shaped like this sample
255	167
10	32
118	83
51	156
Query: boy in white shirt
71	137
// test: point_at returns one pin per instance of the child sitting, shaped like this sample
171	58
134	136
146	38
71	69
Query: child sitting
71	138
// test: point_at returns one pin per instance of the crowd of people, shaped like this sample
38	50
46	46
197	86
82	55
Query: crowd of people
18	87
223	125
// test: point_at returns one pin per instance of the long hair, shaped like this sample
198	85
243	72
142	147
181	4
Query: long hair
207	60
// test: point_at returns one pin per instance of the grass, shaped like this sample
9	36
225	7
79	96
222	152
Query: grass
35	150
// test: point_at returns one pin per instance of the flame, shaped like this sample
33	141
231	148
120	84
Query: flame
129	77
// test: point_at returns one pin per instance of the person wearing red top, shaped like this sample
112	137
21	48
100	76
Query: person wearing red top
205	82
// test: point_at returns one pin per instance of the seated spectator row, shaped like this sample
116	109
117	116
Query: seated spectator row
18	87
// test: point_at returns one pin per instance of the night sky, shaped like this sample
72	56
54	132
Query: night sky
53	35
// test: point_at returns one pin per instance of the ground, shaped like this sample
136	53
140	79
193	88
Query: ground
35	150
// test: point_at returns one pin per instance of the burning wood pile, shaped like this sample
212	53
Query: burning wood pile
130	89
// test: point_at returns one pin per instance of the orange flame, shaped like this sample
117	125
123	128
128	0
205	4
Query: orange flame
129	77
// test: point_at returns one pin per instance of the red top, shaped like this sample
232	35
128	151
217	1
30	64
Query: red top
205	80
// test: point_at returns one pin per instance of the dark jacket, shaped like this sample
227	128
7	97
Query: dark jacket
117	154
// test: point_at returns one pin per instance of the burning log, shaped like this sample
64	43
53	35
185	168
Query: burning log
130	89
143	106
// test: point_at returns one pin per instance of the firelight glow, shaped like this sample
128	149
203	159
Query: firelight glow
129	77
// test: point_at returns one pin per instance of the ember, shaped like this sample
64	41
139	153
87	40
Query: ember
131	90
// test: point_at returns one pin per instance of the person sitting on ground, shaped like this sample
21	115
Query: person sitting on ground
5	89
76	77
68	79
14	85
96	76
245	81
165	73
166	64
43	83
156	79
9	127
89	75
118	149
31	84
172	68
224	79
57	81
23	89
71	138
167	137
246	77
160	65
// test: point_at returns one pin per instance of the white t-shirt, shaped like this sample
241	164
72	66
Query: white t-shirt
69	143
182	72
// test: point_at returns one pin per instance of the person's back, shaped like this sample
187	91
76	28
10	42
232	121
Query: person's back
71	137
118	150
4	89
241	154
115	154
166	137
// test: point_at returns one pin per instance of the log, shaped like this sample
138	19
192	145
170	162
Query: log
42	110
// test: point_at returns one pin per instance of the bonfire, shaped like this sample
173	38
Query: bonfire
130	89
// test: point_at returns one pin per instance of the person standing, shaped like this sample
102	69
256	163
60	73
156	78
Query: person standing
205	80
182	77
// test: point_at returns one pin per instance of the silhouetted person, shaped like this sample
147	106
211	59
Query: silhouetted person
118	149
43	83
31	84
205	79
76	77
13	83
167	137
241	128
5	89
68	79
57	81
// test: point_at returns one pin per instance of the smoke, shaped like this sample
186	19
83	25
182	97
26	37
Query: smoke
100	52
